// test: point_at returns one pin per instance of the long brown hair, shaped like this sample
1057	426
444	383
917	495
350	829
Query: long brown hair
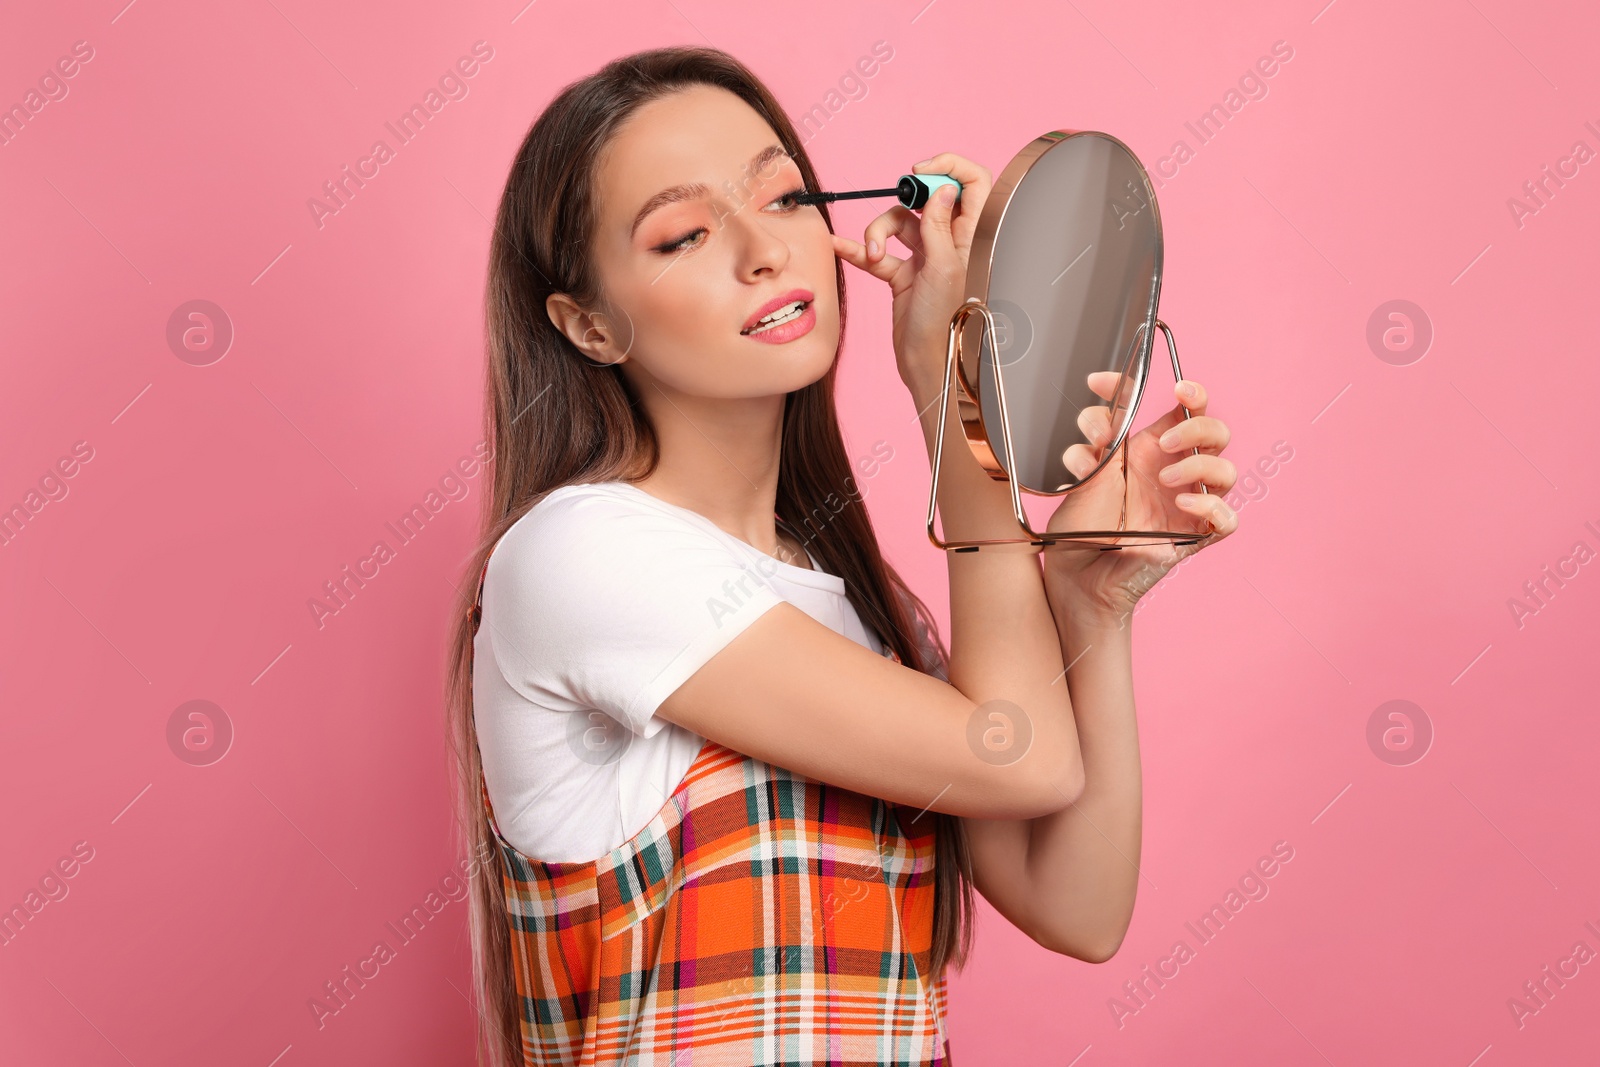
555	418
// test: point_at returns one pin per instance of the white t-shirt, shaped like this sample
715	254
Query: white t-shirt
597	604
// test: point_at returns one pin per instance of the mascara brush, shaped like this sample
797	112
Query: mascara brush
912	192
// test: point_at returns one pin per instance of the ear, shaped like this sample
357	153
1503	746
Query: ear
589	331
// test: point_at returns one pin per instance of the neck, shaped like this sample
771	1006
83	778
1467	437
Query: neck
719	457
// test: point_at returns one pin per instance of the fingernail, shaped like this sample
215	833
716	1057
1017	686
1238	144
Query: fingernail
924	163
947	194
1169	439
1186	390
872	248
1185	498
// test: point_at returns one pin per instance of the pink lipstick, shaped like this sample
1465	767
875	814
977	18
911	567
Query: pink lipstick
783	318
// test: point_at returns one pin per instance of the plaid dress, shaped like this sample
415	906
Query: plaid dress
760	919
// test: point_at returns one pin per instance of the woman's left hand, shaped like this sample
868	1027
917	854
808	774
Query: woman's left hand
1162	493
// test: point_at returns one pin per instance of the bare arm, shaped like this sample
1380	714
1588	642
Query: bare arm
792	692
1069	878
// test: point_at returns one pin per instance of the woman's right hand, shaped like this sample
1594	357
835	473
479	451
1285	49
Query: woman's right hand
929	287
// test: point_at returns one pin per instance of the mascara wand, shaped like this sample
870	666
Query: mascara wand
913	191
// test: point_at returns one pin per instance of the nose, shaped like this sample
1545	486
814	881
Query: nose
763	252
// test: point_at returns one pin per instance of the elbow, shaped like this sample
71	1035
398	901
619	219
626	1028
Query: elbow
1058	783
1089	950
1046	777
1041	787
1100	953
1074	784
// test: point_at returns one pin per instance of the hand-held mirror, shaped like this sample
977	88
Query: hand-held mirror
1063	279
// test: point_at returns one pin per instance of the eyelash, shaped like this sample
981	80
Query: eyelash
674	246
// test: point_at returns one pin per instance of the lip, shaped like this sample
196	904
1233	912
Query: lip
777	302
799	326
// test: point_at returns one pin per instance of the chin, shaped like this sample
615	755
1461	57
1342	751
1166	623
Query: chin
789	367
793	376
818	357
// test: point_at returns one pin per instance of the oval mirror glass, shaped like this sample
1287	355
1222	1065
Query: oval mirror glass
1067	256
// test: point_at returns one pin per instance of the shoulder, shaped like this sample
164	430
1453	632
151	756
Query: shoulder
594	520
584	542
605	599
587	503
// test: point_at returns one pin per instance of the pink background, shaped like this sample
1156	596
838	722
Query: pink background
1378	563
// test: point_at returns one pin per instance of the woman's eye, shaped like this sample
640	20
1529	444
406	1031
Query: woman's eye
680	243
790	197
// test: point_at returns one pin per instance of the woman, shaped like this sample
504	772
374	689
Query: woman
729	795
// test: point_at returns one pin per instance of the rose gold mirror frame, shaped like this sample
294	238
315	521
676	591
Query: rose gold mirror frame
962	372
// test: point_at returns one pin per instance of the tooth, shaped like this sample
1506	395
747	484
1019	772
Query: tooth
780	312
786	313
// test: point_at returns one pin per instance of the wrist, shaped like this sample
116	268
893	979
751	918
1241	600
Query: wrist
921	370
1081	609
923	386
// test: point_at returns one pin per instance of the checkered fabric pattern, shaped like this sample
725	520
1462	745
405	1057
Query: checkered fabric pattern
761	918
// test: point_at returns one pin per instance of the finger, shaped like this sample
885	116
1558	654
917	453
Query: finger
855	254
900	222
1195	405
976	182
1214	472
1211	509
938	238
1205	432
1095	424
1191	395
1080	459
1103	383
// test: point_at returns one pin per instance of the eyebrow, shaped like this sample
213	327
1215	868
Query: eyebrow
694	190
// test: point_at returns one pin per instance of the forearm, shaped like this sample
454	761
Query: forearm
1084	859
1003	639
